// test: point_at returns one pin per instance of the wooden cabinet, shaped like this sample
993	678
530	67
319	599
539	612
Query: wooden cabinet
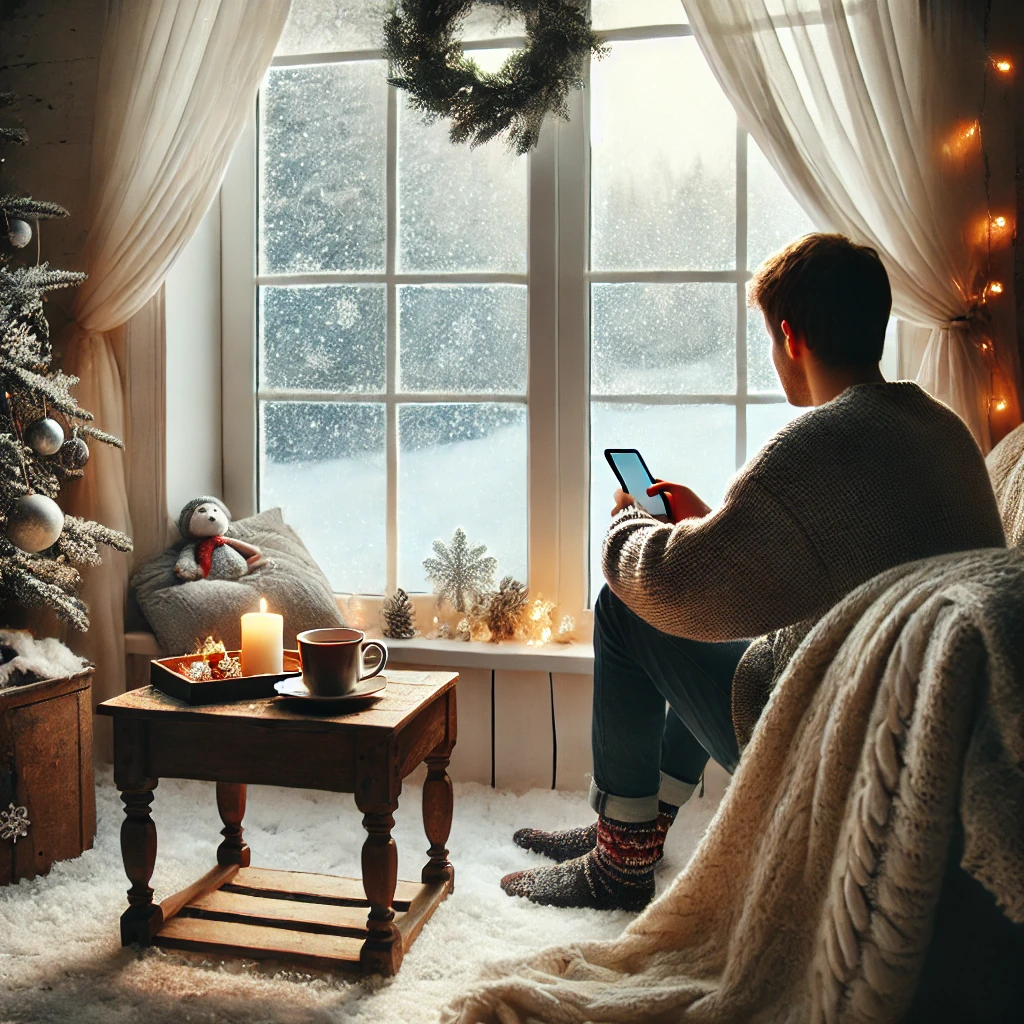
46	767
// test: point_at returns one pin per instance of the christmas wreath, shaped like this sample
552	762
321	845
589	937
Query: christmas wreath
427	61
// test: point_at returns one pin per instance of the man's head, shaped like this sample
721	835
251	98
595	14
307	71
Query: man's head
826	303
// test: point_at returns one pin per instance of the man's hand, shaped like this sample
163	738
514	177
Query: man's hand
682	502
622	500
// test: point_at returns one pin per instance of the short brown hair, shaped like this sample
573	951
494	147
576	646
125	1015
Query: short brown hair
832	292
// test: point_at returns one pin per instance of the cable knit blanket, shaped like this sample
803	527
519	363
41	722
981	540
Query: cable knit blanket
812	895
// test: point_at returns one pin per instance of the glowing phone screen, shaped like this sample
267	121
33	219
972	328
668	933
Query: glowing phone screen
635	479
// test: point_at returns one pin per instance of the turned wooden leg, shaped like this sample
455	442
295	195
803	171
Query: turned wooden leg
231	805
382	950
142	920
438	804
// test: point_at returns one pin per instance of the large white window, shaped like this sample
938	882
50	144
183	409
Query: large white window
421	336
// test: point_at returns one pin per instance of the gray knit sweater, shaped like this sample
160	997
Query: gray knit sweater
882	474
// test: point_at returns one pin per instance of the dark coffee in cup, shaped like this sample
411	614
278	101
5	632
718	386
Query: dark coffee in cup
332	660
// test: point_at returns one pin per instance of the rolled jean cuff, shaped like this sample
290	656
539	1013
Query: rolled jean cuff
623	808
675	791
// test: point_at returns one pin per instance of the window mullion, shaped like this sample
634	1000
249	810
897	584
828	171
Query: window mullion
391	409
741	296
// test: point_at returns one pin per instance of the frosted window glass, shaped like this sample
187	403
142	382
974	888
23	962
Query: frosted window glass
322	164
765	420
663	338
687	444
328	338
627	13
461	465
774	217
663	152
323	463
469	338
328	26
460	209
761	374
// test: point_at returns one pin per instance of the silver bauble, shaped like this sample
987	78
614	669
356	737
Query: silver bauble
44	436
19	232
34	523
74	453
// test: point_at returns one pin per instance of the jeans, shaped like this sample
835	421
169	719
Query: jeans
641	748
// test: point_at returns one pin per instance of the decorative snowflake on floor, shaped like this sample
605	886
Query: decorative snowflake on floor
14	823
460	573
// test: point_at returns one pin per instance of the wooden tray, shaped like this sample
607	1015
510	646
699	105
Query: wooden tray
170	675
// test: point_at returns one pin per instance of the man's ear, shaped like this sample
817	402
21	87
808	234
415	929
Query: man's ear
792	342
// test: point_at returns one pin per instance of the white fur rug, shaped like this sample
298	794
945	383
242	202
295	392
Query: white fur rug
61	961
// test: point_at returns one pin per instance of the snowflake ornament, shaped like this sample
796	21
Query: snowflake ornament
14	823
460	573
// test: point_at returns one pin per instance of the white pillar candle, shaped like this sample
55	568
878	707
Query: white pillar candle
262	642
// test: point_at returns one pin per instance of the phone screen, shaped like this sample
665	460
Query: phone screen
635	478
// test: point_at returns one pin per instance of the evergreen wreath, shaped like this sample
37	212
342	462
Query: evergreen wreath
428	62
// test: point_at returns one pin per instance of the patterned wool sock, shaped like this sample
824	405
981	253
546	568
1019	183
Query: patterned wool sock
666	815
560	846
618	874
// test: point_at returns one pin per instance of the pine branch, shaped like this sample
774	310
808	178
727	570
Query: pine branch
43	474
101	435
54	389
13	136
29	590
80	540
45	279
28	208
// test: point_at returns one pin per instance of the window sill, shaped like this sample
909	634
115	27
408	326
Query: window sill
574	659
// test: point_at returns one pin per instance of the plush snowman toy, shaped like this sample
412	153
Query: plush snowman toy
212	555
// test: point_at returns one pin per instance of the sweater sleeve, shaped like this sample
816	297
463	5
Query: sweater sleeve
743	570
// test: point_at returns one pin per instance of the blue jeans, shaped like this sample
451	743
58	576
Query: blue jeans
641	748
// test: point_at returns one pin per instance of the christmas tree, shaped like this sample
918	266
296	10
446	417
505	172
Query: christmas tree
43	433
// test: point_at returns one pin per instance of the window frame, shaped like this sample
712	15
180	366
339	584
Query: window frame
558	280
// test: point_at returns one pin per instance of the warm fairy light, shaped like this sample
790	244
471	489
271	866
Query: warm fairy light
995	288
263	605
1003	65
964	139
1000	405
999	222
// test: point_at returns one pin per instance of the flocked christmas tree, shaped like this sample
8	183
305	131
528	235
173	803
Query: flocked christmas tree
44	435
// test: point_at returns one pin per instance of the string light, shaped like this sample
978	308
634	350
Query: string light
995	288
1003	65
999	222
1000	405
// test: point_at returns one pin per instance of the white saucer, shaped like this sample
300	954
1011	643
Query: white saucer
296	689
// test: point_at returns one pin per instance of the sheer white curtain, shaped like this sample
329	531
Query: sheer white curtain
871	111
177	81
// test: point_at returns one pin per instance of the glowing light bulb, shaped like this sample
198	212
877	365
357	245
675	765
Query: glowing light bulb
1004	66
999	222
1001	405
995	288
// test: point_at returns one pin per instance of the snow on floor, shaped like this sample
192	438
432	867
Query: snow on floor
61	961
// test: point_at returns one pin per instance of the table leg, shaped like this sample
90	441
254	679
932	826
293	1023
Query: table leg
143	918
382	951
231	805
438	804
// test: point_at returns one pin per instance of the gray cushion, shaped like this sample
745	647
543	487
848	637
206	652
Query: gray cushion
181	614
1006	470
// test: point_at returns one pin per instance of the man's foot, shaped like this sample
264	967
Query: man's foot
571	843
618	874
560	846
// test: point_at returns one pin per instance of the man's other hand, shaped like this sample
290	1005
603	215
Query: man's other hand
622	500
682	502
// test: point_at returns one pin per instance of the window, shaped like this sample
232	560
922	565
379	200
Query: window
429	336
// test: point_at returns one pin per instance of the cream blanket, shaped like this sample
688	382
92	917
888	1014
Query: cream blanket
811	897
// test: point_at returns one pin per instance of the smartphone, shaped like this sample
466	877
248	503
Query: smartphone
634	478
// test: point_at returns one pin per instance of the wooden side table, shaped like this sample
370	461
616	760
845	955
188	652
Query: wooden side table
237	910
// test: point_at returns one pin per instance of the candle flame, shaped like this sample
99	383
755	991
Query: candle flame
263	605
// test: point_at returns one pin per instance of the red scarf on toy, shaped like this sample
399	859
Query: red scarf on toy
204	552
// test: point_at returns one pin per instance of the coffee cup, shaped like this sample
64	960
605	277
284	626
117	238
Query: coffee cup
332	660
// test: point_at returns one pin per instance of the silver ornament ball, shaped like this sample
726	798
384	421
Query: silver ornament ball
44	436
19	232
34	523
74	453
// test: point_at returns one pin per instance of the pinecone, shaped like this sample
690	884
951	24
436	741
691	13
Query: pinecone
505	609
397	617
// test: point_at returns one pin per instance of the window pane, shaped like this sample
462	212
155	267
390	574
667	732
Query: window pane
323	463
663	151
761	374
323	338
765	420
663	338
627	13
460	209
461	465
322	157
774	217
468	338
326	26
688	444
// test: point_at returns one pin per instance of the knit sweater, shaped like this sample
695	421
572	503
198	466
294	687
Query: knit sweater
882	474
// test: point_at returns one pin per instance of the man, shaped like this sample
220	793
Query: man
875	475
